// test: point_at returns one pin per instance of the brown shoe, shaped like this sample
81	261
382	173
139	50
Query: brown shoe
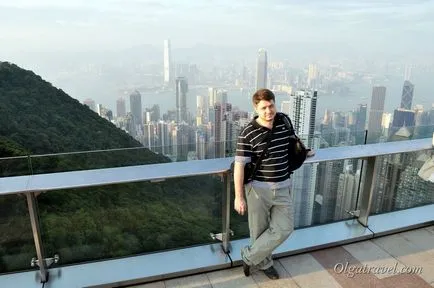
271	273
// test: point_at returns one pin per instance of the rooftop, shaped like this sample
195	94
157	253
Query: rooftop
403	259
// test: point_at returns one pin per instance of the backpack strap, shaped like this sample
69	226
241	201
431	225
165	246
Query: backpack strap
288	123
258	162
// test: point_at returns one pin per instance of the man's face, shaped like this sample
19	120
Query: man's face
266	110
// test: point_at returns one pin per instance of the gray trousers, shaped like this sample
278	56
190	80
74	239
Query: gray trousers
271	221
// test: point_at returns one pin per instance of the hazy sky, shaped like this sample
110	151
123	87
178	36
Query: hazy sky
57	38
47	25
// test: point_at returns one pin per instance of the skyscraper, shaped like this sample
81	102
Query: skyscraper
216	95
201	109
376	112
407	95
361	117
167	63
91	104
403	117
312	76
359	128
121	111
302	112
261	69
181	99
136	108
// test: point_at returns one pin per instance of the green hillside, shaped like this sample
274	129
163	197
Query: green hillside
93	223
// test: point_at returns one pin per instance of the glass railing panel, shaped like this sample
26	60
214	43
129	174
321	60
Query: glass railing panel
16	239
325	192
130	219
14	166
393	134
321	192
398	184
152	154
94	160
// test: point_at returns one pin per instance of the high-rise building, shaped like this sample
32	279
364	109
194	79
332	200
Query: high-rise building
201	110
181	99
302	112
346	196
163	138
136	108
312	76
91	104
219	136
104	112
216	95
338	119
407	95
359	128
285	107
180	142
167	63
376	112
327	120
150	139
121	110
361	117
403	117
327	185
261	69
411	190
201	142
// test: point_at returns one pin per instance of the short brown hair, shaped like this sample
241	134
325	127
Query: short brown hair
263	94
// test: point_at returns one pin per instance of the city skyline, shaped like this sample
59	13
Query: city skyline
125	47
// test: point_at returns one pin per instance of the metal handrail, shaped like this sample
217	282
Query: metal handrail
30	185
154	172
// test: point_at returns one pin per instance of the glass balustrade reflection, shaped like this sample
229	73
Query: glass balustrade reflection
321	192
14	166
398	184
130	219
17	247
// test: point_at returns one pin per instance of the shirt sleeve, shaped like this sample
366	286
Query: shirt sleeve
244	149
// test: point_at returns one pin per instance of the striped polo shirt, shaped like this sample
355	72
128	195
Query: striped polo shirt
251	143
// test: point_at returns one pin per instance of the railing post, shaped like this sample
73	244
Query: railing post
226	212
34	220
368	190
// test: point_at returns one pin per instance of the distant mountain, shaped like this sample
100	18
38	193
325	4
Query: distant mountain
37	118
44	119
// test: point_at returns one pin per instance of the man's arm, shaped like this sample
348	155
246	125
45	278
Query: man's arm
243	156
240	203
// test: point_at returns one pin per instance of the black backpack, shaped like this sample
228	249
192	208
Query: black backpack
297	152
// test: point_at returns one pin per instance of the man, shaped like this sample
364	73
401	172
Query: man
270	207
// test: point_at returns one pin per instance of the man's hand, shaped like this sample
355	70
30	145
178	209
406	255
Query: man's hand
240	205
310	153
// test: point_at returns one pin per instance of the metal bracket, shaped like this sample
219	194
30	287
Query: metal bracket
354	213
219	236
48	261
